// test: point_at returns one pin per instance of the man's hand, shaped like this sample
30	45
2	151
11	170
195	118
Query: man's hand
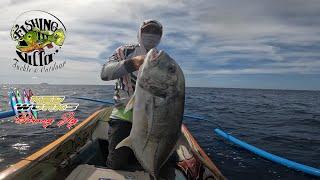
138	61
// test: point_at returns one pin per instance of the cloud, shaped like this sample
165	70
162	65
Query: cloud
206	37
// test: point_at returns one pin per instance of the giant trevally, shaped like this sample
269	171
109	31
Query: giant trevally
158	105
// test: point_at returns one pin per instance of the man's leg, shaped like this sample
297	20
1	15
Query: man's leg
118	130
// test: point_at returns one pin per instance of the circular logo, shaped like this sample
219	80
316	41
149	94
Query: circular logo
39	38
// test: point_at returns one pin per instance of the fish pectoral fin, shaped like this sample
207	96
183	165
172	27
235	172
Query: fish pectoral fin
126	142
130	104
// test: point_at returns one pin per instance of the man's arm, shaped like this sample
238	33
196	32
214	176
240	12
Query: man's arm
116	67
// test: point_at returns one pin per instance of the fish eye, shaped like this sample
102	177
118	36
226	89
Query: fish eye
29	36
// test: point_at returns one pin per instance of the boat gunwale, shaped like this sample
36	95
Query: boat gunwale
200	152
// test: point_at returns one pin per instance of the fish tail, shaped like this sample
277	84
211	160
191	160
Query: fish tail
58	37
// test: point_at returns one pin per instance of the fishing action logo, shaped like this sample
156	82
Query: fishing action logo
26	108
39	38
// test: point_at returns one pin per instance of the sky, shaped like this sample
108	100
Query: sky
273	44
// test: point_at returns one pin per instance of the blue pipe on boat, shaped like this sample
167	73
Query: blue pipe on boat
269	156
7	114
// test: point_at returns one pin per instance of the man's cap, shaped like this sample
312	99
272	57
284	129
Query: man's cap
151	26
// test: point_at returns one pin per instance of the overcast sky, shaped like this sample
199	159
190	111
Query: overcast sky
218	43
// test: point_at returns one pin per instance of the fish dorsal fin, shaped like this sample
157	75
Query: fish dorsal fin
130	103
126	142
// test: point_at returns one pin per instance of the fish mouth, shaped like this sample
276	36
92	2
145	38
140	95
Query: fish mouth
23	43
155	54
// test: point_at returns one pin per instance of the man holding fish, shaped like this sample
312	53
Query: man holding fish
149	104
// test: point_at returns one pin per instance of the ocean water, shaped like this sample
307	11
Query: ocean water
283	122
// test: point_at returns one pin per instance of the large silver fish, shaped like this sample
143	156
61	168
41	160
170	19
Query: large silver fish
158	105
